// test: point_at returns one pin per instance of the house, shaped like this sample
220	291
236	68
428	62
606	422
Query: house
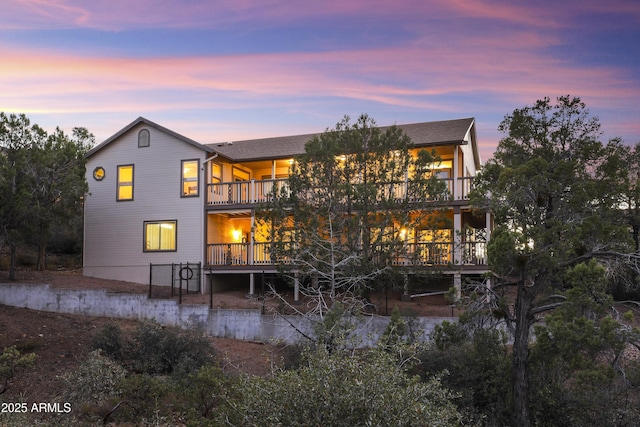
157	197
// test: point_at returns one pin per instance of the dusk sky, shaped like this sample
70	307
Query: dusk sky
225	70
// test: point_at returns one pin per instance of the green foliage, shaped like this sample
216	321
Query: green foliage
344	389
156	349
334	330
93	381
42	181
146	397
109	341
477	367
11	362
337	223
575	359
209	397
558	196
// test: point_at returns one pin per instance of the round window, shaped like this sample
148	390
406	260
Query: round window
98	173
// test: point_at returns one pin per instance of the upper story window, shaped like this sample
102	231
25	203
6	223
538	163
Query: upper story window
216	173
144	138
190	178
160	236
125	183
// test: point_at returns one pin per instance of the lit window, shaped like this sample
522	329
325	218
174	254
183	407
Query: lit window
125	183
144	138
216	173
160	235
190	179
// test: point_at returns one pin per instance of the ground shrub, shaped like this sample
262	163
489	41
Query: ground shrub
93	381
109	340
156	349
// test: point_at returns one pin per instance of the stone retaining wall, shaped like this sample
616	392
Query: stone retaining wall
246	325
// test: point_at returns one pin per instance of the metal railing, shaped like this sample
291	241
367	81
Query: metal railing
170	280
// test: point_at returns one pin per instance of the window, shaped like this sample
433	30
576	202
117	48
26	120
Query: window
125	183
98	173
216	173
190	178
144	138
160	236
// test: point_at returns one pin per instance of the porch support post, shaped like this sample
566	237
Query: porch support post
405	288
488	225
252	237
296	288
457	283
454	175
457	236
273	169
252	284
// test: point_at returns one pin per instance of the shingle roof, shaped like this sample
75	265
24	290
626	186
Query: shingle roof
422	134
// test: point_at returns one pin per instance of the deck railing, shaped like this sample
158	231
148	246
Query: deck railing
260	191
413	254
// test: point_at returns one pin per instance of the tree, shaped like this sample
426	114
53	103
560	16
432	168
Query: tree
17	137
552	213
346	389
60	184
41	182
579	350
620	170
340	225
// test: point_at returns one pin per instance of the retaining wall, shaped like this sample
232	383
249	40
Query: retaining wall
246	325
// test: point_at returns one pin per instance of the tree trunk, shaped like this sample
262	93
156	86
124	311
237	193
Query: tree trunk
12	261
42	250
520	370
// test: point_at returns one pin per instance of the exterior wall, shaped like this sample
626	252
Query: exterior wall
113	230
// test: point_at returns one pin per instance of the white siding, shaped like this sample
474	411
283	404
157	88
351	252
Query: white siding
113	233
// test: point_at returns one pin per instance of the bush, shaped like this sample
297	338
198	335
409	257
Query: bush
156	349
93	381
478	368
11	361
343	389
108	339
145	397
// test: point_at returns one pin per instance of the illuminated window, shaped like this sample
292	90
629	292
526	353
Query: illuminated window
125	183
190	178
160	236
144	138
216	173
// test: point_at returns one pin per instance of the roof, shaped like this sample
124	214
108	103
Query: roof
422	134
149	123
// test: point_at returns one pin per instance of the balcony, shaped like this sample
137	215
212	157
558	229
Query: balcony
261	191
415	254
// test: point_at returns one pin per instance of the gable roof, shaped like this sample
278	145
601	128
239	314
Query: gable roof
422	134
142	120
426	134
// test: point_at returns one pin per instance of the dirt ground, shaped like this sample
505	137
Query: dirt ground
60	341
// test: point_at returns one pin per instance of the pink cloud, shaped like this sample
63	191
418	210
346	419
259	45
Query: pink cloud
126	15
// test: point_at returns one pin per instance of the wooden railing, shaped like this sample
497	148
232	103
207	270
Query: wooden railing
413	254
244	192
260	191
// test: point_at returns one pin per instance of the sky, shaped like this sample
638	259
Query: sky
228	70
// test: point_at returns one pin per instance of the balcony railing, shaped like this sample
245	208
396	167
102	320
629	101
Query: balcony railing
244	192
413	254
260	191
